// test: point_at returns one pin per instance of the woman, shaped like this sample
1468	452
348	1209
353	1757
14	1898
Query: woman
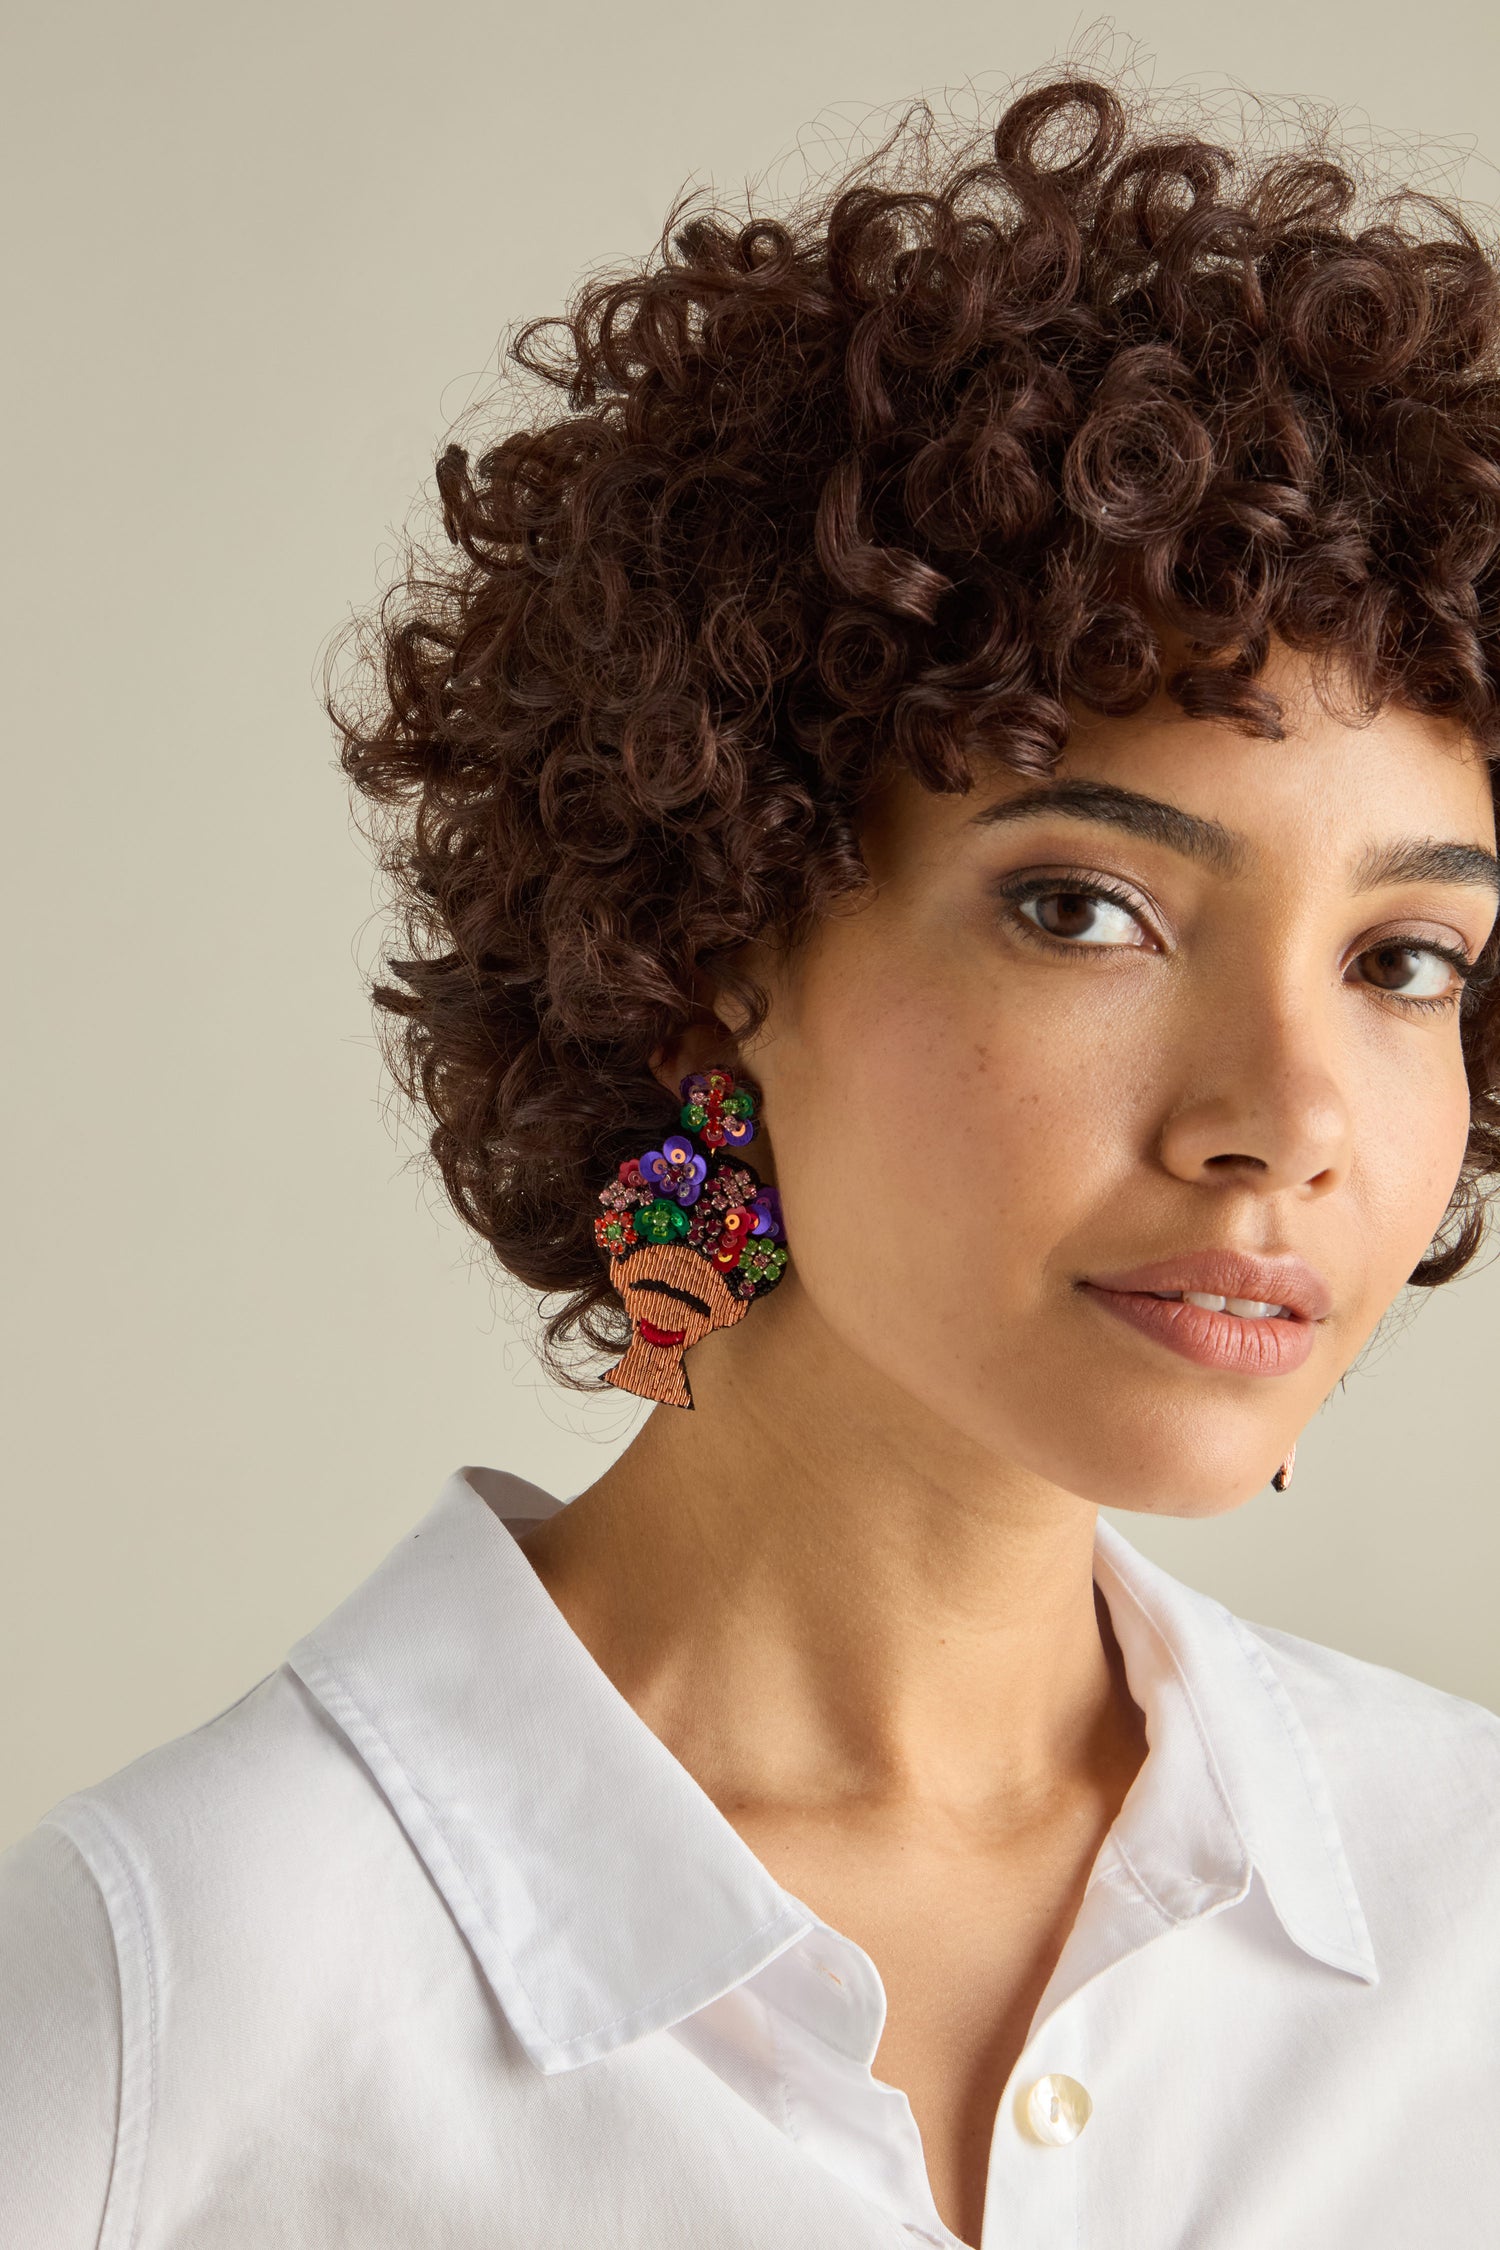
943	805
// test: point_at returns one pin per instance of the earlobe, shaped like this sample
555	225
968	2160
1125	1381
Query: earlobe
702	1040
704	1043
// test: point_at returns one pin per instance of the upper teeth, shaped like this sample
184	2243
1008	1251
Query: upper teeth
1246	1307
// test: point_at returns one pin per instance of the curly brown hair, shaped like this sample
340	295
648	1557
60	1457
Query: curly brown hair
877	481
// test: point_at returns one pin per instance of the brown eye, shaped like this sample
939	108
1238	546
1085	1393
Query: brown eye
1084	917
1415	972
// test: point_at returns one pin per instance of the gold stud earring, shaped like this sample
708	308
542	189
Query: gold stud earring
1283	1476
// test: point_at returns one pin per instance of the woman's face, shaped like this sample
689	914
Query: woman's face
1191	1000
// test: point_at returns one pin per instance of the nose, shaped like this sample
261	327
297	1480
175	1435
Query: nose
1264	1109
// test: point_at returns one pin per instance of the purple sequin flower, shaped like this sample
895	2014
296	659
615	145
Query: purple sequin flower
675	1168
767	1209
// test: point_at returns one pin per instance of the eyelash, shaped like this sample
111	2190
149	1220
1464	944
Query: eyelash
1473	977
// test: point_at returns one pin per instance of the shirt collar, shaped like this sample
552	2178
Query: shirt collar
604	1894
1238	1788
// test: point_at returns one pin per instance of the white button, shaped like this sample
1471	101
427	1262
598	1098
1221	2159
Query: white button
1057	2109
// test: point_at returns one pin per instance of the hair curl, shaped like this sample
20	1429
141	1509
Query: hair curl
892	475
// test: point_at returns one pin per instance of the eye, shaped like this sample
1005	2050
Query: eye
1071	912
1429	976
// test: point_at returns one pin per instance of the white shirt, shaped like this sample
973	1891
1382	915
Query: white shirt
428	1943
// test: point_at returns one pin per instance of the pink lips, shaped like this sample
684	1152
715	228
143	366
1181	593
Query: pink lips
1145	1298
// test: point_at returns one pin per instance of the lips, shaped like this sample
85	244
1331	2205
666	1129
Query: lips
1151	1298
1284	1281
667	1338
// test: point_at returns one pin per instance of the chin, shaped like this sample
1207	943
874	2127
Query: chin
1157	1484
1164	1502
1146	1465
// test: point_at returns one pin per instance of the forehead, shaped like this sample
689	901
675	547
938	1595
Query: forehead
1331	792
1344	780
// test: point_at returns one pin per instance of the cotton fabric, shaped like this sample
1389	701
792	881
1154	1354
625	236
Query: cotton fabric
427	1939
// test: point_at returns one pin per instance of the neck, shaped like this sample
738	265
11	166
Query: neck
813	1593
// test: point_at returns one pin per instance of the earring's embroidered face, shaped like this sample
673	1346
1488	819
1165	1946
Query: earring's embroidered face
674	1297
692	1239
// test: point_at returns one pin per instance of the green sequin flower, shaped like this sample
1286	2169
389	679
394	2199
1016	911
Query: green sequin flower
762	1263
661	1221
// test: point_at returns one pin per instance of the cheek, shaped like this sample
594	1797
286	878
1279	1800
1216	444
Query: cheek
940	1135
1410	1145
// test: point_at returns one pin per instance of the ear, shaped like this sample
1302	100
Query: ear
706	1040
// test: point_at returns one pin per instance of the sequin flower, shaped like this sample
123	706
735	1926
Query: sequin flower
761	1264
707	1086
661	1221
728	1188
720	1113
615	1232
675	1168
734	1233
766	1210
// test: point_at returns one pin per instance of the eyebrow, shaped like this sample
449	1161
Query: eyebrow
1413	859
679	1296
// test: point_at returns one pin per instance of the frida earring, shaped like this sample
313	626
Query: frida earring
692	1240
1283	1476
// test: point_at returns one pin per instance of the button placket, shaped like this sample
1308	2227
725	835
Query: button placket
1035	2187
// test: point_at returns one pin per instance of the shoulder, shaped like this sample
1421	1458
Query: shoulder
169	1915
59	2028
235	1816
129	1853
107	1867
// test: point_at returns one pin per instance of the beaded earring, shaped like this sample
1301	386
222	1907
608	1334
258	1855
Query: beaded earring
1283	1476
691	1239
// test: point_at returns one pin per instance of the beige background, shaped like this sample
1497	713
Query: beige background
259	259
